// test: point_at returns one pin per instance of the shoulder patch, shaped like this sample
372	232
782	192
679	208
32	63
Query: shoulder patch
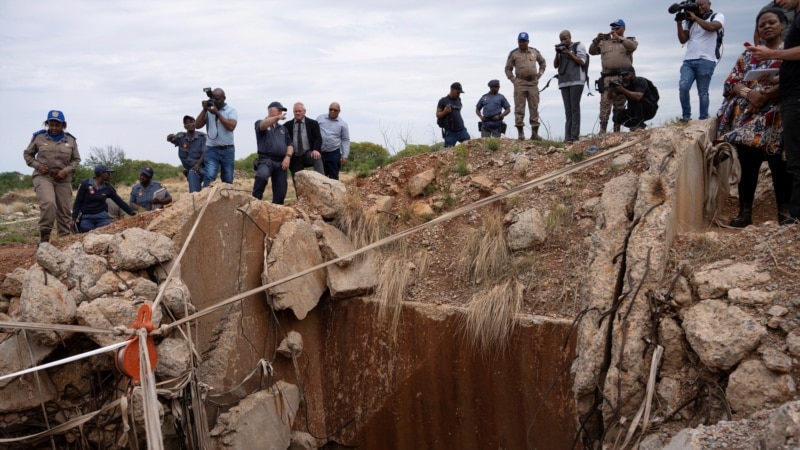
36	133
70	135
512	51
180	135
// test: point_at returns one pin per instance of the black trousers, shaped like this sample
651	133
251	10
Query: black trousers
635	114
750	159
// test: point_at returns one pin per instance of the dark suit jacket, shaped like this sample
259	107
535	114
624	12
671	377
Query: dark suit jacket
312	132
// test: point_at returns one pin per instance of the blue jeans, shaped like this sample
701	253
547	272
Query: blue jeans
332	163
269	169
216	158
692	70
790	109
451	137
91	221
195	179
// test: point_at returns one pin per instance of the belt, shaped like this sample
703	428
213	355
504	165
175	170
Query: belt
221	147
276	158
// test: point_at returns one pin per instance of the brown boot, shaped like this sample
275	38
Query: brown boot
745	216
784	217
521	134
535	134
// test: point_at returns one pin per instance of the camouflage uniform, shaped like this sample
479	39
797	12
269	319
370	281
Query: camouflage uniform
522	70
614	55
55	196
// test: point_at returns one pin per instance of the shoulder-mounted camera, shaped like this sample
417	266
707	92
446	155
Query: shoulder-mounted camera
681	9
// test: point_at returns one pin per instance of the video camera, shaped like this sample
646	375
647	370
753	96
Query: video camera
210	102
613	84
680	9
561	47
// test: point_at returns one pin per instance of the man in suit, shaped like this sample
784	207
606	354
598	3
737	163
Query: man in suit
307	139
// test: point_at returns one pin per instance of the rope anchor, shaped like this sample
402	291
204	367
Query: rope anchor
127	358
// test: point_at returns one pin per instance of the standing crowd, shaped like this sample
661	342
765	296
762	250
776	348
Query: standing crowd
761	93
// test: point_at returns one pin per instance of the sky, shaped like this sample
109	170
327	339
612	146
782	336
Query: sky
126	72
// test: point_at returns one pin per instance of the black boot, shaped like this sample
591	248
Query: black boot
521	134
535	134
784	217
745	216
44	236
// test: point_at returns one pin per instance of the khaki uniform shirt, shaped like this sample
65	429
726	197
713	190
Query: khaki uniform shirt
525	66
62	154
614	55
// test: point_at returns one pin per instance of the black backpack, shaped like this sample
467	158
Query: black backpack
652	91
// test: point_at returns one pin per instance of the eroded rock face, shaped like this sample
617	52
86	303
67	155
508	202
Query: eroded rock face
722	335
783	427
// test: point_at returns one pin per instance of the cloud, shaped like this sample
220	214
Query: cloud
126	72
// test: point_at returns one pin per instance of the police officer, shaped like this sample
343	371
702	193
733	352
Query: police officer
616	52
274	154
524	66
53	154
491	109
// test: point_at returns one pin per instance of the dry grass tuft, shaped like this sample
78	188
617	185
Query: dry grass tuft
485	254
362	229
491	316
397	272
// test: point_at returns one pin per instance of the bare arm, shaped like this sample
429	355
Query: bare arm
683	35
762	52
270	121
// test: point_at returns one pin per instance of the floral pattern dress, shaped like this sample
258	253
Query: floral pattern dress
737	125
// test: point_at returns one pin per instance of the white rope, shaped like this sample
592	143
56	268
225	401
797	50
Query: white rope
713	154
647	401
70	359
152	416
76	422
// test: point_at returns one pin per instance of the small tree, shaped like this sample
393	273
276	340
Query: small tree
111	156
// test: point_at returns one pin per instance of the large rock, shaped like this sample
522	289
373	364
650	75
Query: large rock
752	387
178	298
34	392
12	284
136	249
45	300
110	312
716	279
85	270
327	196
52	259
18	353
359	278
783	427
174	358
722	335
334	244
526	230
418	183
293	250
262	420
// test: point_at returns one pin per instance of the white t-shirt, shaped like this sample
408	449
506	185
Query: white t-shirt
702	44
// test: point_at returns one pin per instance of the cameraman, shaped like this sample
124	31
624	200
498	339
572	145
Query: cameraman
220	120
570	59
448	116
616	52
697	28
641	105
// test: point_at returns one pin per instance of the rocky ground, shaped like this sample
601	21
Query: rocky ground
554	269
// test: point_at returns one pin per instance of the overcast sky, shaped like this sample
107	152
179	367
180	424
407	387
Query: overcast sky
125	72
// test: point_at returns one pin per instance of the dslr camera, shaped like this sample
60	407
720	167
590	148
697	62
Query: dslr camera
561	47
210	102
680	9
613	84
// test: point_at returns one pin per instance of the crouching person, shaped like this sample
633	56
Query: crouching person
642	98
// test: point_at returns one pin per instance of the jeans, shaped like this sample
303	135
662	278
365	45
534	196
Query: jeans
571	95
269	169
692	70
451	137
91	221
195	179
332	163
216	158
790	109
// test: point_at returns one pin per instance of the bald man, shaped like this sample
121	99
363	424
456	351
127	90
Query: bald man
220	120
335	141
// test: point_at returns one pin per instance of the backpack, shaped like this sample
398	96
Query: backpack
585	66
652	90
